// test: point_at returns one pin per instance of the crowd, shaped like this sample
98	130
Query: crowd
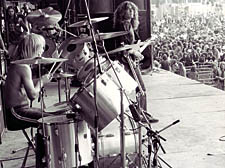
190	42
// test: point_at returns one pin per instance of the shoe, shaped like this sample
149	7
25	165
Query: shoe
150	118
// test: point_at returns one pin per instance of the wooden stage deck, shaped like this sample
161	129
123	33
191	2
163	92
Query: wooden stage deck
192	143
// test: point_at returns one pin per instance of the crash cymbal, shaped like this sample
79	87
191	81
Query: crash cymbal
85	22
39	60
98	37
44	17
126	47
140	46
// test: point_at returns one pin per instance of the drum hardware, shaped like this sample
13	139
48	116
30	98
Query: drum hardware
67	77
85	22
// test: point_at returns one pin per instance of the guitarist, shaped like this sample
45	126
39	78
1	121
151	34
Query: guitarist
126	19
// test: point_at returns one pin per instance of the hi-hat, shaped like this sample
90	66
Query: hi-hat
44	17
86	22
98	37
63	75
39	60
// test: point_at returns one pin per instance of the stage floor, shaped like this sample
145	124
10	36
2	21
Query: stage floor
195	142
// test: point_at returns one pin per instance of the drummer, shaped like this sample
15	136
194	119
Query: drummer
19	86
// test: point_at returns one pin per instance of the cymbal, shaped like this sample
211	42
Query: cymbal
85	22
39	60
43	17
63	75
126	47
98	37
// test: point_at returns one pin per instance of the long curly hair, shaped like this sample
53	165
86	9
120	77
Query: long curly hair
124	12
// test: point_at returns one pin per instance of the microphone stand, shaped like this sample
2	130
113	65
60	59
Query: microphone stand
65	18
154	137
122	124
96	59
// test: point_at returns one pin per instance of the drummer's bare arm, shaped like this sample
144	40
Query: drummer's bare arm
32	89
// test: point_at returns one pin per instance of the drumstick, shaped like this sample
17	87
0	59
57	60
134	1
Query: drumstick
54	63
67	32
56	68
51	68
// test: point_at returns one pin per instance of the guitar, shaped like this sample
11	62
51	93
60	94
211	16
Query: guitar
138	49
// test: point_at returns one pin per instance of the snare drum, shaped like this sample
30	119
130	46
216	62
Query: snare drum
59	108
108	99
61	133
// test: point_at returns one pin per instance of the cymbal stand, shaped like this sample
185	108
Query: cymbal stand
66	18
122	124
41	99
96	60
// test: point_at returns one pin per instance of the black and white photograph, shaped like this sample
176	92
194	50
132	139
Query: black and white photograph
112	83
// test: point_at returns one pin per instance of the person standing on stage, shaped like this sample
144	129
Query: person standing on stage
16	29
126	19
19	86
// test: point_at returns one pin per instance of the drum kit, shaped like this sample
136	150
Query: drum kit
73	125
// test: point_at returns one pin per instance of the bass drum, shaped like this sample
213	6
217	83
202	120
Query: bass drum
109	144
77	54
61	133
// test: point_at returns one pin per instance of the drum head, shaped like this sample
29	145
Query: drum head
58	119
50	48
78	54
59	108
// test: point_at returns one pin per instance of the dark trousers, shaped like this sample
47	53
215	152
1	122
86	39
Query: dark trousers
141	89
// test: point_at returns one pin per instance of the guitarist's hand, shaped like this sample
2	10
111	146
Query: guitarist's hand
137	55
